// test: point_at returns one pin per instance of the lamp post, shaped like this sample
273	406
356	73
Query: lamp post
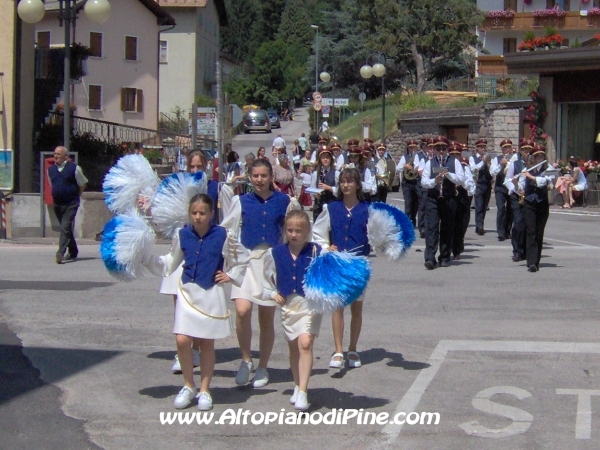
316	68
378	70
325	77
32	11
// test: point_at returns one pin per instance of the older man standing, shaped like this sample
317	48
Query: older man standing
68	183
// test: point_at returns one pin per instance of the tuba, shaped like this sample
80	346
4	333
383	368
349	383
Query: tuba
382	173
410	174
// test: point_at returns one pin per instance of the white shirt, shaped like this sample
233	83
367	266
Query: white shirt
510	173
404	160
279	142
496	167
339	162
457	177
303	142
306	179
540	181
369	183
469	183
474	166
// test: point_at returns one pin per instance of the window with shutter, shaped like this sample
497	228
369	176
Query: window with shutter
163	53
94	97
131	48
43	39
95	44
510	4
132	100
139	100
510	45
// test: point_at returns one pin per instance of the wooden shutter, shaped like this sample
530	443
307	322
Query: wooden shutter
510	45
95	97
130	48
43	39
139	97
123	99
96	44
510	4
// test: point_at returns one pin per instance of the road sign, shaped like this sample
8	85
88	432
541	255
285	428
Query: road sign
326	109
315	95
362	96
207	121
338	102
236	115
317	106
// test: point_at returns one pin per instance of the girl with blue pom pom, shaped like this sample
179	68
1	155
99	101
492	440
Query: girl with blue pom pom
210	260
285	267
346	222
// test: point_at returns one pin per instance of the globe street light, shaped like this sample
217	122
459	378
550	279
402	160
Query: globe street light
378	70
325	78
97	11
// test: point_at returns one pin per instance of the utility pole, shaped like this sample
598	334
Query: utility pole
219	124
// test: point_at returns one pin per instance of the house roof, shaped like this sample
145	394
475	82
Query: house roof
162	16
552	61
220	5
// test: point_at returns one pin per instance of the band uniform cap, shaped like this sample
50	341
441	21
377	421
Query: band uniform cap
441	140
323	140
430	142
538	149
526	143
506	143
324	149
425	140
382	145
335	145
464	147
353	143
368	149
368	141
481	142
355	150
464	161
455	148
412	143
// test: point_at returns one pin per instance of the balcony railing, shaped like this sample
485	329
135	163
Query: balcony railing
523	21
50	64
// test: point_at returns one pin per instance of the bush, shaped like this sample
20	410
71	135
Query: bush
415	102
154	156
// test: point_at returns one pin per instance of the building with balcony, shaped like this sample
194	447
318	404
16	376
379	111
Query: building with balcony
189	52
507	21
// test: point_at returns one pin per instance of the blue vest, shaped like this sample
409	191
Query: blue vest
448	187
349	228
203	256
485	177
212	189
290	272
499	186
534	193
65	189
262	220
519	165
329	179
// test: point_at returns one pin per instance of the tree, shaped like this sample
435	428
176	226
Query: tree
422	32
272	10
295	24
243	15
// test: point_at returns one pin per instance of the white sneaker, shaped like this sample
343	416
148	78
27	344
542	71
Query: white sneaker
204	401
301	401
261	378
185	397
176	368
294	395
196	357
243	374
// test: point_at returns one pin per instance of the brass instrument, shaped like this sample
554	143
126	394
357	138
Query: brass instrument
382	173
410	174
437	171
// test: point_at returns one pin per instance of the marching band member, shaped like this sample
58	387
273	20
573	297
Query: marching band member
340	158
410	180
518	226
466	190
504	210
324	177
383	172
536	209
440	177
359	162
424	156
479	164
369	154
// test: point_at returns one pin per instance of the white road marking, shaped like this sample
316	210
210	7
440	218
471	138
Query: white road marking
572	243
411	399
583	422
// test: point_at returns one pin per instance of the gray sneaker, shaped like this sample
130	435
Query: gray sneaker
243	374
261	378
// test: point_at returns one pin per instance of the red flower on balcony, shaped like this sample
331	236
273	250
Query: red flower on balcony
593	12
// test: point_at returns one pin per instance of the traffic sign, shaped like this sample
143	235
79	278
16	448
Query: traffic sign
236	115
317	106
315	95
362	96
338	101
326	109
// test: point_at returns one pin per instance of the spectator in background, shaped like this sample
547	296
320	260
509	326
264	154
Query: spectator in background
279	146
181	160
261	153
303	142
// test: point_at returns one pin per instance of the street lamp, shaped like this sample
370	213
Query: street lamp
316	27
325	77
378	70
32	11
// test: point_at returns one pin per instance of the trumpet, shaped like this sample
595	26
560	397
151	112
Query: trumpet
440	171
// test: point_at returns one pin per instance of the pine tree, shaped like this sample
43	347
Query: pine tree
244	35
295	24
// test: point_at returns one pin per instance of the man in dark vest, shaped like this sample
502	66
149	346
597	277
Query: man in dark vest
504	210
480	165
68	183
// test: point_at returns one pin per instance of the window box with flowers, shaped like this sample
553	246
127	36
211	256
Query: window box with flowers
500	16
591	167
593	16
541	43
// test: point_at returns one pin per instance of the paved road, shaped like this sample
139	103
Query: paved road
509	359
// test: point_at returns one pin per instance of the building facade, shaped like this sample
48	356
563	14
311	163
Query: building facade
189	52
507	21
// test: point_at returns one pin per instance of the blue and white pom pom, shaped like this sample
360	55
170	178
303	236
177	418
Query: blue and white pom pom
172	200
389	230
127	246
335	280
129	179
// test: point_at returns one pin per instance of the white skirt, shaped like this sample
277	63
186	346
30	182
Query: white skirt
252	287
170	284
297	319
202	313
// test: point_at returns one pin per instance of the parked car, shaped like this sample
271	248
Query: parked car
274	119
256	120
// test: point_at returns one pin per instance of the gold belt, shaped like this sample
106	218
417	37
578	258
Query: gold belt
198	309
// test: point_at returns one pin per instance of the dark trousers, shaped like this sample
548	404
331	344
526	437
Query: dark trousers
482	200
504	214
382	192
422	193
411	201
461	221
439	226
518	227
536	216
66	218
